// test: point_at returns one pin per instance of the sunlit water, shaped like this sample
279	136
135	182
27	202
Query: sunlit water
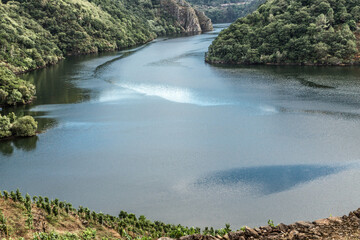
157	131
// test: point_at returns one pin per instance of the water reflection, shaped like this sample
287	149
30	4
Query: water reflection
57	84
313	84
44	122
126	53
270	179
334	114
6	148
26	144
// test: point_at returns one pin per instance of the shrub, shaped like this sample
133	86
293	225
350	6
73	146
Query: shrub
14	90
14	97
55	210
6	195
13	196
19	197
89	234
24	127
4	127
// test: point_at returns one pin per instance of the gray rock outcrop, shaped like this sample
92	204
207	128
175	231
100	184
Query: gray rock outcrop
189	19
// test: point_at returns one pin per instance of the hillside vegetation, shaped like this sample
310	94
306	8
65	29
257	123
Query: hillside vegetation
292	32
36	33
42	218
39	218
226	11
14	91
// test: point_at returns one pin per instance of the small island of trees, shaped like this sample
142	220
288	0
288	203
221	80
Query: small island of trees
314	32
14	91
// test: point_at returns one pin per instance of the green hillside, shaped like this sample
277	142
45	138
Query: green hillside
226	11
36	33
41	218
292	32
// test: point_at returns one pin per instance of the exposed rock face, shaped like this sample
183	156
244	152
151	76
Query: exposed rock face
346	227
188	18
205	22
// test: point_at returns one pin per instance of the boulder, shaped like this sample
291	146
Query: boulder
251	232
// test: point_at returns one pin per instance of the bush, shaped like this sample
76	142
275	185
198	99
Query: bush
14	90
24	127
5	127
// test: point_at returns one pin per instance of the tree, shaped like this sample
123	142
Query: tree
24	127
5	127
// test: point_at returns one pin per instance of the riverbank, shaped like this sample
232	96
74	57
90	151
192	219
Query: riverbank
77	28
224	63
28	218
345	227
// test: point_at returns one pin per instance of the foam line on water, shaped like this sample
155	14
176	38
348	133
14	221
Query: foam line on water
50	107
116	95
173	94
78	125
268	109
189	96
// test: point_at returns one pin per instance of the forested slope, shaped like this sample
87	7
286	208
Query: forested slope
292	32
36	33
226	11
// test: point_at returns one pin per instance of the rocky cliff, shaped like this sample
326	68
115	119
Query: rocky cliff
188	18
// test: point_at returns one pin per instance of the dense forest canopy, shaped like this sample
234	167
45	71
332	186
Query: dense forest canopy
36	33
215	2
226	11
14	90
292	31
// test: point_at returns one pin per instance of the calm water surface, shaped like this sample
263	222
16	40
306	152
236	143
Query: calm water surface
156	131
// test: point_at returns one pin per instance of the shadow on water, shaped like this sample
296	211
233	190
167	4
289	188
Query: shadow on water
313	84
25	144
334	114
6	148
44	123
289	71
55	85
270	179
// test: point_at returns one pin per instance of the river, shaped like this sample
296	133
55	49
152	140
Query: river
156	131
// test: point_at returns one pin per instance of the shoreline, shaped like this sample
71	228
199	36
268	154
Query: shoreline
60	218
223	63
73	54
17	73
345	227
18	137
